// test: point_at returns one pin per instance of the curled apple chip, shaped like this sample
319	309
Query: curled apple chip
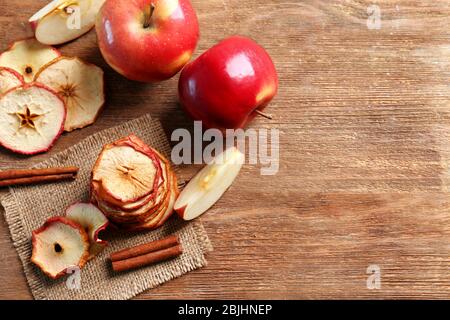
9	79
206	188
62	21
58	245
31	119
80	84
93	221
27	57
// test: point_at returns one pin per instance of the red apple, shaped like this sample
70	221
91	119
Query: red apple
147	40
228	85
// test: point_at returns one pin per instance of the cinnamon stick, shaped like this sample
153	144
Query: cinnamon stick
35	180
145	248
147	259
24	173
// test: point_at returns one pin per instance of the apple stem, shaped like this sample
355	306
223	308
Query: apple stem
265	115
148	15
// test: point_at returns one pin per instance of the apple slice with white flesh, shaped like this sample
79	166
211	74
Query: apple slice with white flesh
62	21
208	186
89	217
58	245
31	119
9	79
27	57
81	86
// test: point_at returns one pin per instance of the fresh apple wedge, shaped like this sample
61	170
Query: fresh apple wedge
9	79
31	119
209	184
81	86
59	244
62	21
27	57
89	217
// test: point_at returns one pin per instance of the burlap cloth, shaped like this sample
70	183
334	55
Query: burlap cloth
26	208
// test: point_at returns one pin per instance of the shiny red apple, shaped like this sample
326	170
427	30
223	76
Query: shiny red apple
229	84
147	40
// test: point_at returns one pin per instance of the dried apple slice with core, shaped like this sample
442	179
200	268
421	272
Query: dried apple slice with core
152	204
27	57
158	186
9	79
80	84
31	119
62	21
148	201
89	217
209	184
125	173
59	244
140	212
163	212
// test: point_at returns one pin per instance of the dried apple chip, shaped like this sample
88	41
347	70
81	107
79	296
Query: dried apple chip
80	84
31	119
27	57
58	245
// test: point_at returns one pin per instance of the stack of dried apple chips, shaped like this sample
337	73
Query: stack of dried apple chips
133	185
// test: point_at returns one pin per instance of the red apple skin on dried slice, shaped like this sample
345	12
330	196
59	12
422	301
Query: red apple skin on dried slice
163	213
31	119
27	57
166	213
81	86
151	205
171	209
58	245
9	79
147	201
126	172
165	168
54	25
156	223
135	217
208	186
140	213
89	217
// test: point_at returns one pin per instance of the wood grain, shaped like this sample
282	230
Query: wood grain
364	117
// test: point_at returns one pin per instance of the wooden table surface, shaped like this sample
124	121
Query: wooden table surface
364	116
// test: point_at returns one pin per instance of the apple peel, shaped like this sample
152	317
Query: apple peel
80	85
58	245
